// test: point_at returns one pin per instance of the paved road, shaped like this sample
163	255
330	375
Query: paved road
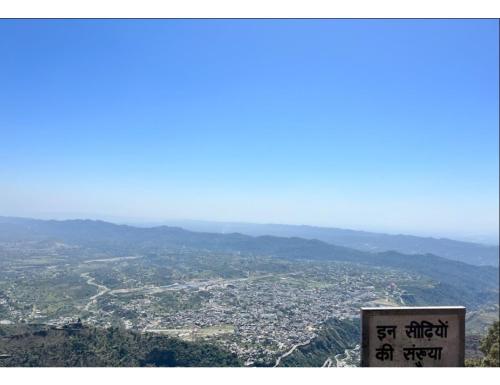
291	351
328	363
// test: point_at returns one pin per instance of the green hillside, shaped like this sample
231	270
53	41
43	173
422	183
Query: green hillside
334	338
83	346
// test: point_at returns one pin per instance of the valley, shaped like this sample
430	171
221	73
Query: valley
255	300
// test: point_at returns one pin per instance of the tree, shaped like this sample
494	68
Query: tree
490	346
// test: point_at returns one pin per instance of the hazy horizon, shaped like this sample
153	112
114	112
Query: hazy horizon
267	193
376	125
486	239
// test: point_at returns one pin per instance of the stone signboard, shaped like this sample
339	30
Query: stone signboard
413	336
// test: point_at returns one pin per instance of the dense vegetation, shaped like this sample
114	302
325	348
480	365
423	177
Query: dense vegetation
41	346
490	347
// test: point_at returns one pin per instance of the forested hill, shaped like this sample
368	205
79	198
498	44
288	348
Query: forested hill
469	283
468	252
334	338
85	346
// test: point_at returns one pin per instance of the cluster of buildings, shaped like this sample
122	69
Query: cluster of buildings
258	315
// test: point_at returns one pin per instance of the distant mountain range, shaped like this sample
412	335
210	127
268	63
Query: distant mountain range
468	252
459	282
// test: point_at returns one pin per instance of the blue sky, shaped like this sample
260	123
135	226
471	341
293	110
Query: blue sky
388	125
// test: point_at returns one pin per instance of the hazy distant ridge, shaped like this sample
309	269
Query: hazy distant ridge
468	283
468	252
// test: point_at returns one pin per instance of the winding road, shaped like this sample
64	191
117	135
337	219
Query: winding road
102	290
278	360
